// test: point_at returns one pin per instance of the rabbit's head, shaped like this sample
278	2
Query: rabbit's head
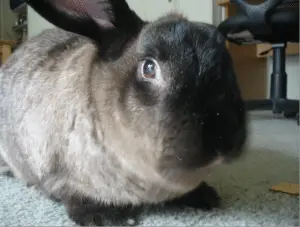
180	88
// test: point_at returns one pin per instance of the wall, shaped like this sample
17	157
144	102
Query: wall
7	21
148	10
197	10
36	23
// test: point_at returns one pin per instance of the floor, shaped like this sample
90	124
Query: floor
273	157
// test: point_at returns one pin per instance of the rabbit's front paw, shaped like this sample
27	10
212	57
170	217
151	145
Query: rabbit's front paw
88	213
203	197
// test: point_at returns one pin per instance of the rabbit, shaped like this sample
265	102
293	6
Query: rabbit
107	113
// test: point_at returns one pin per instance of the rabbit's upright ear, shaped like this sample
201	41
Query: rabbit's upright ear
104	21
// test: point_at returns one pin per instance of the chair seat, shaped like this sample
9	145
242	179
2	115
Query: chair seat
283	26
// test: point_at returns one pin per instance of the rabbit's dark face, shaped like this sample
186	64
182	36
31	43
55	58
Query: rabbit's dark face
185	83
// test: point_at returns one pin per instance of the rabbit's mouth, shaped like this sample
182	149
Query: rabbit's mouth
189	147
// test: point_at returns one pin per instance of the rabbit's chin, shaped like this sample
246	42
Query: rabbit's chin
182	181
217	161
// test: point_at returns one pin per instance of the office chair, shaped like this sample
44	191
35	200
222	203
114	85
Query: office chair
275	22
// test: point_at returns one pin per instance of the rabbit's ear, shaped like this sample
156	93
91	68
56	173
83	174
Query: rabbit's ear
99	20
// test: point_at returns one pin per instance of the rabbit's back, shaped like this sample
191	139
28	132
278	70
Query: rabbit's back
38	49
42	85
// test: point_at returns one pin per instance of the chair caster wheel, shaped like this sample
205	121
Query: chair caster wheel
290	115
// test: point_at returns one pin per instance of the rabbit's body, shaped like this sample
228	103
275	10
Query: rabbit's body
119	112
50	121
53	122
34	101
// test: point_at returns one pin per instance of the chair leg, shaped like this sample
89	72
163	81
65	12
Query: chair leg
278	102
278	77
281	104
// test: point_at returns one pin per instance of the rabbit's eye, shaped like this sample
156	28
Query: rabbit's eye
149	69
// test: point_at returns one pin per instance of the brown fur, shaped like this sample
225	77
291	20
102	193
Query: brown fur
64	128
81	122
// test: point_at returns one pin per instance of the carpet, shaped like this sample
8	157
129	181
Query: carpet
244	187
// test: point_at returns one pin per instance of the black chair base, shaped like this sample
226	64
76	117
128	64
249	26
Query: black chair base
278	102
286	106
275	22
289	108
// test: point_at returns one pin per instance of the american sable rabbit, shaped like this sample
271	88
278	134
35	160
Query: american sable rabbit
108	112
